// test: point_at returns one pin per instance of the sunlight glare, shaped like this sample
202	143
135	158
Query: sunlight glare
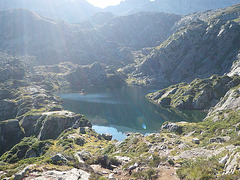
104	3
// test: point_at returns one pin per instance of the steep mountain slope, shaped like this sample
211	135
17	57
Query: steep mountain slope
140	30
68	10
168	6
203	44
24	32
100	18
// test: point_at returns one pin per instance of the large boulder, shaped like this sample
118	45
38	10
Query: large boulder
171	127
56	122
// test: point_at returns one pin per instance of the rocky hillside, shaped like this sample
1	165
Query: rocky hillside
140	30
203	44
169	6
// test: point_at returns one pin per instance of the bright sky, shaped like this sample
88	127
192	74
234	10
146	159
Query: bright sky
104	3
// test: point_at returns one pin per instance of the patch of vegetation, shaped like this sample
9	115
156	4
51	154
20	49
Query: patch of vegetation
28	145
18	151
200	169
134	144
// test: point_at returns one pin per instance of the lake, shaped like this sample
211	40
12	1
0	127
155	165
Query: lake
124	110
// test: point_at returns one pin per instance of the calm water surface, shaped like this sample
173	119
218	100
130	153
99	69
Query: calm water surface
123	110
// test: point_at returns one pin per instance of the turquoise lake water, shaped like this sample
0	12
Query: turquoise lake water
123	110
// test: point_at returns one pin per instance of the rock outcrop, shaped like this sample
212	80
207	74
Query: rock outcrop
199	94
171	127
73	174
56	122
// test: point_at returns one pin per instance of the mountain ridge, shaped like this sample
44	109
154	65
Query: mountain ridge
67	10
169	6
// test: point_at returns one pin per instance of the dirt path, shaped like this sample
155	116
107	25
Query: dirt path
167	173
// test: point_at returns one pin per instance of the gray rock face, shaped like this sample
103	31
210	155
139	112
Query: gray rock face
232	164
73	174
171	127
230	101
10	134
197	152
50	125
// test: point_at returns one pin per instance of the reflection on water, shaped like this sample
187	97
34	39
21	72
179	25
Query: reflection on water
111	130
92	98
125	108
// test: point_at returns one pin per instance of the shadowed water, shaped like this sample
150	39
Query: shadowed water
118	111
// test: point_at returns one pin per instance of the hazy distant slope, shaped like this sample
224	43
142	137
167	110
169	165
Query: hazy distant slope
23	32
68	10
140	30
169	6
